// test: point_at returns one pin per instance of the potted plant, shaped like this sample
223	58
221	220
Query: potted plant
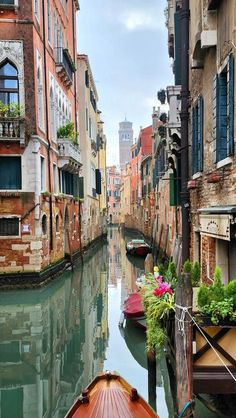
217	303
67	132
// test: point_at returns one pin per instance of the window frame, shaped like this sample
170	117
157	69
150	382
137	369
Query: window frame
10	217
14	156
9	90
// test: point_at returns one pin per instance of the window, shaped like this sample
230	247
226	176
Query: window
197	136
40	93
57	224
69	183
90	128
9	84
223	112
86	119
49	22
9	226
55	178
74	222
42	166
44	224
10	173
37	9
93	180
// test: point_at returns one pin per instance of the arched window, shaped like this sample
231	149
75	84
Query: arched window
74	222
44	224
57	223
52	114
40	98
9	83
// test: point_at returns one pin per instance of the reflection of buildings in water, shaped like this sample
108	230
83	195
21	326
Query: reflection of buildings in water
53	342
114	238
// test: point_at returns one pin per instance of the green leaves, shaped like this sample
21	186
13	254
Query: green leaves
67	132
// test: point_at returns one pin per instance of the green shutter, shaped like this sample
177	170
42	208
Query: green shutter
173	194
10	173
215	117
230	110
223	118
200	134
81	187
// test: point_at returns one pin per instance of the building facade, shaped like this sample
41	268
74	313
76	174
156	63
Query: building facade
212	137
39	147
114	184
92	141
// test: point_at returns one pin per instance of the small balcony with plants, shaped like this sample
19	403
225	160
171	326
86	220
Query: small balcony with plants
12	123
68	149
65	65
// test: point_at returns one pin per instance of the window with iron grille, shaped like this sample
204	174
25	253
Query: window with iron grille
9	227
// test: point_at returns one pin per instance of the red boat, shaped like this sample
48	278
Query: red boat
110	396
138	247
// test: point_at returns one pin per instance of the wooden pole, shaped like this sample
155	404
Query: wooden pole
149	264
183	341
151	362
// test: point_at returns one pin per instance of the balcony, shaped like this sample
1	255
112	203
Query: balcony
64	65
174	100
12	130
68	155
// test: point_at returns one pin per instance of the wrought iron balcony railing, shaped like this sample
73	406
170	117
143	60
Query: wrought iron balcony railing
64	64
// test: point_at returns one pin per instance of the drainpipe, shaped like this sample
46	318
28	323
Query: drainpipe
185	200
75	62
47	131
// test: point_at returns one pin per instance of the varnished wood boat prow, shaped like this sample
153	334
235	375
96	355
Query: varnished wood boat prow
110	396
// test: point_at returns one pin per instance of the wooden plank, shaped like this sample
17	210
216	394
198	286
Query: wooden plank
207	347
219	348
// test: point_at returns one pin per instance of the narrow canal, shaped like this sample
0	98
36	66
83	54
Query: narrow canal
54	340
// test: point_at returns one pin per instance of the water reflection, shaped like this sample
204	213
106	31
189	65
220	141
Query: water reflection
53	341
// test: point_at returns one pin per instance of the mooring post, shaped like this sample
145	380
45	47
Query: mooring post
151	362
149	264
183	341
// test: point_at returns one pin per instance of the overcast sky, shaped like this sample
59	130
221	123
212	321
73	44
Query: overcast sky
126	41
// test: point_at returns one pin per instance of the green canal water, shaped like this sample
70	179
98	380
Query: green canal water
54	340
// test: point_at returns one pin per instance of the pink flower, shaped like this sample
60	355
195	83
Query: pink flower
159	279
163	288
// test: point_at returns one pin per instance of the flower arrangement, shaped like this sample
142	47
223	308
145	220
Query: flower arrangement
158	300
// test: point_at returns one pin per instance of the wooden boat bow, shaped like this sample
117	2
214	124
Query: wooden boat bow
110	396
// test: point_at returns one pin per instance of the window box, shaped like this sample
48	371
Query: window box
192	184
214	177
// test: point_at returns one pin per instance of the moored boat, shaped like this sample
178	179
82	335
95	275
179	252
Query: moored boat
133	307
110	396
138	247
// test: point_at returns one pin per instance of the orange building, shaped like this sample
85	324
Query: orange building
39	148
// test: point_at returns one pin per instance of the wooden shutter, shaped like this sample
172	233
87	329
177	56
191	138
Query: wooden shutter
173	195
81	187
194	140
98	181
230	107
223	119
215	116
200	134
